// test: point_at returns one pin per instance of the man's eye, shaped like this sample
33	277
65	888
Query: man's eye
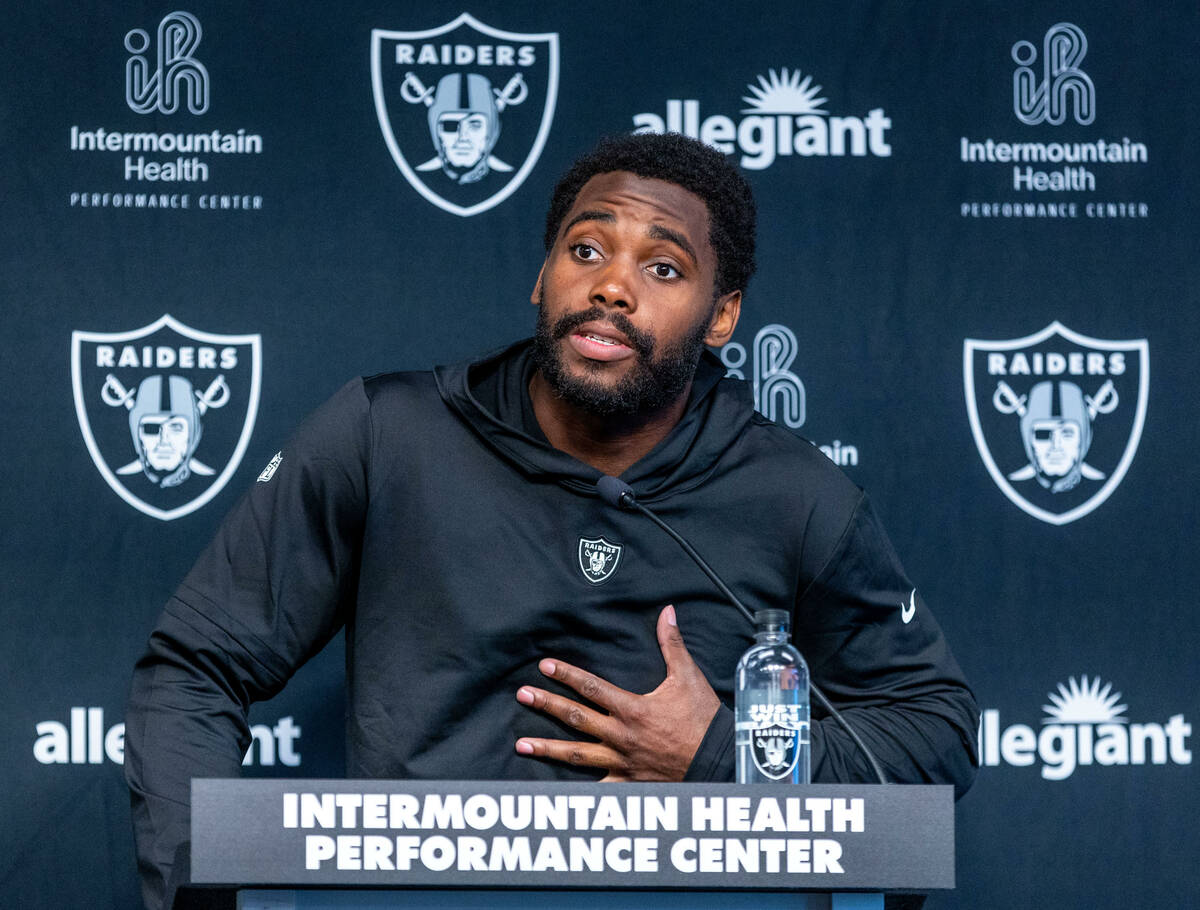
583	251
663	270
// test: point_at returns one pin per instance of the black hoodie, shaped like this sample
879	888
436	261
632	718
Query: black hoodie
427	514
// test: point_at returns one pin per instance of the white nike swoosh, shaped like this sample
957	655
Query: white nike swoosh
909	610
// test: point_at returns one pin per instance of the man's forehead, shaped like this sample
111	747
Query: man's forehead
649	198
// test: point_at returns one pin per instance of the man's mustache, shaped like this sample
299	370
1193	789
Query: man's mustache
640	341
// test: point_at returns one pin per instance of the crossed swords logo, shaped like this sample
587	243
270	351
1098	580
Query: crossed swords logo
414	91
115	395
1006	401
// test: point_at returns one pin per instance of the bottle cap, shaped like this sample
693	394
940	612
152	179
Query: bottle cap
772	620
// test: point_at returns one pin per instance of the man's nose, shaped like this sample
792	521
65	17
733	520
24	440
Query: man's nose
614	286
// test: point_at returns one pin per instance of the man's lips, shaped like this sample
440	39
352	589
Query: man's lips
600	343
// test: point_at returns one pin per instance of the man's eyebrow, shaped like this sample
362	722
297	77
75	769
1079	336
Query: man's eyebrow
658	232
590	215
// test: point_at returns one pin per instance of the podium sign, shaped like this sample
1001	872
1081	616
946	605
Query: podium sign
485	834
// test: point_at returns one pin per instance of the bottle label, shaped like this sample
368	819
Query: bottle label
775	738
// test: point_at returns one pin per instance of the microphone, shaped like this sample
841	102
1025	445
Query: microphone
618	494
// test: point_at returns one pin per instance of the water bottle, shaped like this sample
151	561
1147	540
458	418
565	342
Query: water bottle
771	707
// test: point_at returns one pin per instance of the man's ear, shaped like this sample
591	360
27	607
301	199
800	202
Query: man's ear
725	319
536	297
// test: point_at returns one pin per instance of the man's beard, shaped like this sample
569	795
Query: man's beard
649	387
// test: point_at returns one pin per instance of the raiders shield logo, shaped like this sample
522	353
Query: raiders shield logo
1057	416
775	749
166	410
598	559
464	108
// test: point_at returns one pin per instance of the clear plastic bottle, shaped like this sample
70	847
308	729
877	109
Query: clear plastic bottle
771	713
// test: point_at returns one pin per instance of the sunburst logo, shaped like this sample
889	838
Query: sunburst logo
783	93
1081	702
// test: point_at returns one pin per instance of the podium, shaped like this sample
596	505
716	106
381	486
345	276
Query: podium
471	845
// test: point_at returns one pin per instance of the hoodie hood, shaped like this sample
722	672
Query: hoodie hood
489	394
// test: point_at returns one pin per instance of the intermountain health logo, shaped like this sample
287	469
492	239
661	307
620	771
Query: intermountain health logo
1057	171
1061	87
166	410
784	116
189	164
1084	725
779	393
1057	416
172	76
465	108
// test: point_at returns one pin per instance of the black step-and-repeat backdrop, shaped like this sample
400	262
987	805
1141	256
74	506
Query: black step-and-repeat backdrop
977	295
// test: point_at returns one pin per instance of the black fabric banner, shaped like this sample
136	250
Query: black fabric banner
976	295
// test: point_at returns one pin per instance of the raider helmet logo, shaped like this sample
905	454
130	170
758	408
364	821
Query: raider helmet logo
775	739
1057	416
598	559
166	411
464	108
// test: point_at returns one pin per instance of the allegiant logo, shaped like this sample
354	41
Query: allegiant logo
86	738
784	116
1084	726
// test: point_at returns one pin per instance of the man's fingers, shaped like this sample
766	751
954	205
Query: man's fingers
590	755
670	641
571	713
590	686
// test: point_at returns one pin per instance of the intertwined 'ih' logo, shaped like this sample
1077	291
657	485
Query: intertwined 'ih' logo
1046	100
174	76
465	108
1057	416
778	392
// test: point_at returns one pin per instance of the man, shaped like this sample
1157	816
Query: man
447	521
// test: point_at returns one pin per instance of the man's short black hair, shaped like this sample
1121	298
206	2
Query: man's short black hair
687	163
